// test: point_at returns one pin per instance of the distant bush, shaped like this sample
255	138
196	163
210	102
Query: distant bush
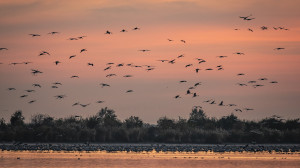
106	127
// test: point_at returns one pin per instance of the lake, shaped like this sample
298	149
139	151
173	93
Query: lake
63	159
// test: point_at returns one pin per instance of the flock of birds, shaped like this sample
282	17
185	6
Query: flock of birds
249	18
110	65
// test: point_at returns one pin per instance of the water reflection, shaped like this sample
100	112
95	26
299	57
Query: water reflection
29	159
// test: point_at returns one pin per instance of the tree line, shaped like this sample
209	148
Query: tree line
105	127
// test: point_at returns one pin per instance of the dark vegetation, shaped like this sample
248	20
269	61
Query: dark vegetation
106	127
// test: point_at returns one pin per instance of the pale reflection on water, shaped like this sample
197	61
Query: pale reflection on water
29	159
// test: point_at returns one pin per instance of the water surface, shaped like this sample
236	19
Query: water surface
47	159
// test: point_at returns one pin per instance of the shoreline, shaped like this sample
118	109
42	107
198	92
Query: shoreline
151	147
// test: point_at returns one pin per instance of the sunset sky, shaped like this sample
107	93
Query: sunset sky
208	27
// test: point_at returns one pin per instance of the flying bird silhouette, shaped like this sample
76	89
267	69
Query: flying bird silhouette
57	62
35	71
60	96
108	32
177	97
44	53
83	50
72	56
32	101
3	49
52	33
279	48
104	85
144	50
23	96
36	85
34	35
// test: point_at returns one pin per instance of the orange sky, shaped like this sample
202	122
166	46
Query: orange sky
206	26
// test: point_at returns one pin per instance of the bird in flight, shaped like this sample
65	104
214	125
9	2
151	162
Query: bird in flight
35	71
221	56
52	33
144	50
240	74
72	56
74	76
34	35
230	105
44	53
136	28
90	64
81	37
23	96
3	49
36	85
84	105
107	68
162	60
250	29
30	90
100	101
83	50
56	83
273	82
262	79
177	97
255	86
188	65
108	32
183	41
170	40
239	53
180	56
197	70
60	96
279	48
57	62
26	63
11	88
241	84
110	75
195	95
127	76
172	61
238	110
129	91
32	101
104	84
246	17
72	38
75	104
221	103
264	28
123	30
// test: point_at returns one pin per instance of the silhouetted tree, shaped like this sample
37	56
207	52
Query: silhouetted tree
133	122
17	119
197	118
165	123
